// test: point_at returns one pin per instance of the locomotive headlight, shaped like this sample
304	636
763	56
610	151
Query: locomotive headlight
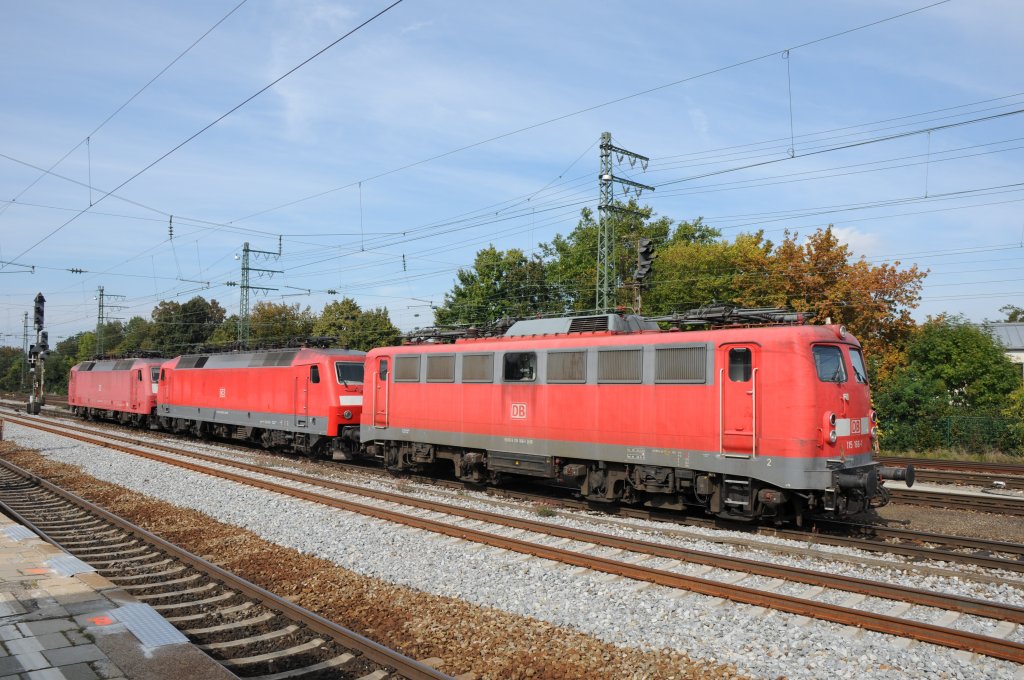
874	432
874	417
842	332
832	419
833	437
347	415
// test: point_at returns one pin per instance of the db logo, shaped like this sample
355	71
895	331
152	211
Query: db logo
519	411
855	426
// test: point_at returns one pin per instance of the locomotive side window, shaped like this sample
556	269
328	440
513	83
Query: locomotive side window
740	364
520	367
441	368
407	369
567	367
314	374
857	363
681	364
139	372
620	365
163	374
350	372
828	361
478	368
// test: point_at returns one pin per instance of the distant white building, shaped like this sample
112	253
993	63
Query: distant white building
1012	337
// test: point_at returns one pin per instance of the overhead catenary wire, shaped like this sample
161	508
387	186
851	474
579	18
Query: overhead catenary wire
212	123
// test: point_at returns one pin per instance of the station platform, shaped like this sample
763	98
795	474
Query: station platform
60	620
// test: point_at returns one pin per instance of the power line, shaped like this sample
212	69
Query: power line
588	109
210	125
121	107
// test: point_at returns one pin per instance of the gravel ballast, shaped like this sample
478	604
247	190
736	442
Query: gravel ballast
762	644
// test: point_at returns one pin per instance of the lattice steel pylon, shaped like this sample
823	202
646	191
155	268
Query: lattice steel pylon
102	318
244	323
607	277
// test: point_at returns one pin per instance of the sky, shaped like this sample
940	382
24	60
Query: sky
386	161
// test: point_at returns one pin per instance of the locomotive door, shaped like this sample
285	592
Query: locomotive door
380	392
738	398
301	401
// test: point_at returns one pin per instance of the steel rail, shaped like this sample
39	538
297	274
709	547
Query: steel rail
1001	505
967	465
911	541
406	667
957	639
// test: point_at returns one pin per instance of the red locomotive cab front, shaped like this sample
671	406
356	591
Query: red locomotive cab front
347	375
847	427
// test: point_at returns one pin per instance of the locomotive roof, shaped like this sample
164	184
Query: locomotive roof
778	334
115	364
262	358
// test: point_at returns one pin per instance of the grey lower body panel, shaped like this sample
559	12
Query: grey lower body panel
783	472
284	422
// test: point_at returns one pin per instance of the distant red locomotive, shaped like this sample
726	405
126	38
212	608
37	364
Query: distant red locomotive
744	422
123	390
301	400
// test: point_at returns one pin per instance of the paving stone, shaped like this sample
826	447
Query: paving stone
87	607
10	665
45	674
47	626
79	671
77	638
24	645
73	655
10	633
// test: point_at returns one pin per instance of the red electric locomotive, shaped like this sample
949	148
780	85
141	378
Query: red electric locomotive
123	390
744	422
301	400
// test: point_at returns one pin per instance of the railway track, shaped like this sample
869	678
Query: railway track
972	473
551	542
917	545
250	631
1001	505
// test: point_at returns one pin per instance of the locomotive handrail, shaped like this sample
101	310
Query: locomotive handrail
753	414
721	413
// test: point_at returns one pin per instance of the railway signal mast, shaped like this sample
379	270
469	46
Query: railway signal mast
37	354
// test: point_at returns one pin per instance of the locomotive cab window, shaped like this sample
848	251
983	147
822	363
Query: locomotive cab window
349	372
828	361
520	367
314	374
857	364
741	364
154	374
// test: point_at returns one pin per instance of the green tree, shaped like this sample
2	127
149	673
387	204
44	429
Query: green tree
354	328
277	324
179	328
572	260
337	319
1014	314
373	328
500	284
956	382
12	359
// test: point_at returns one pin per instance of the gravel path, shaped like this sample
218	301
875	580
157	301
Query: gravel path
614	610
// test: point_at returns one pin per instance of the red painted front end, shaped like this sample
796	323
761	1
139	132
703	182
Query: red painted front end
121	386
